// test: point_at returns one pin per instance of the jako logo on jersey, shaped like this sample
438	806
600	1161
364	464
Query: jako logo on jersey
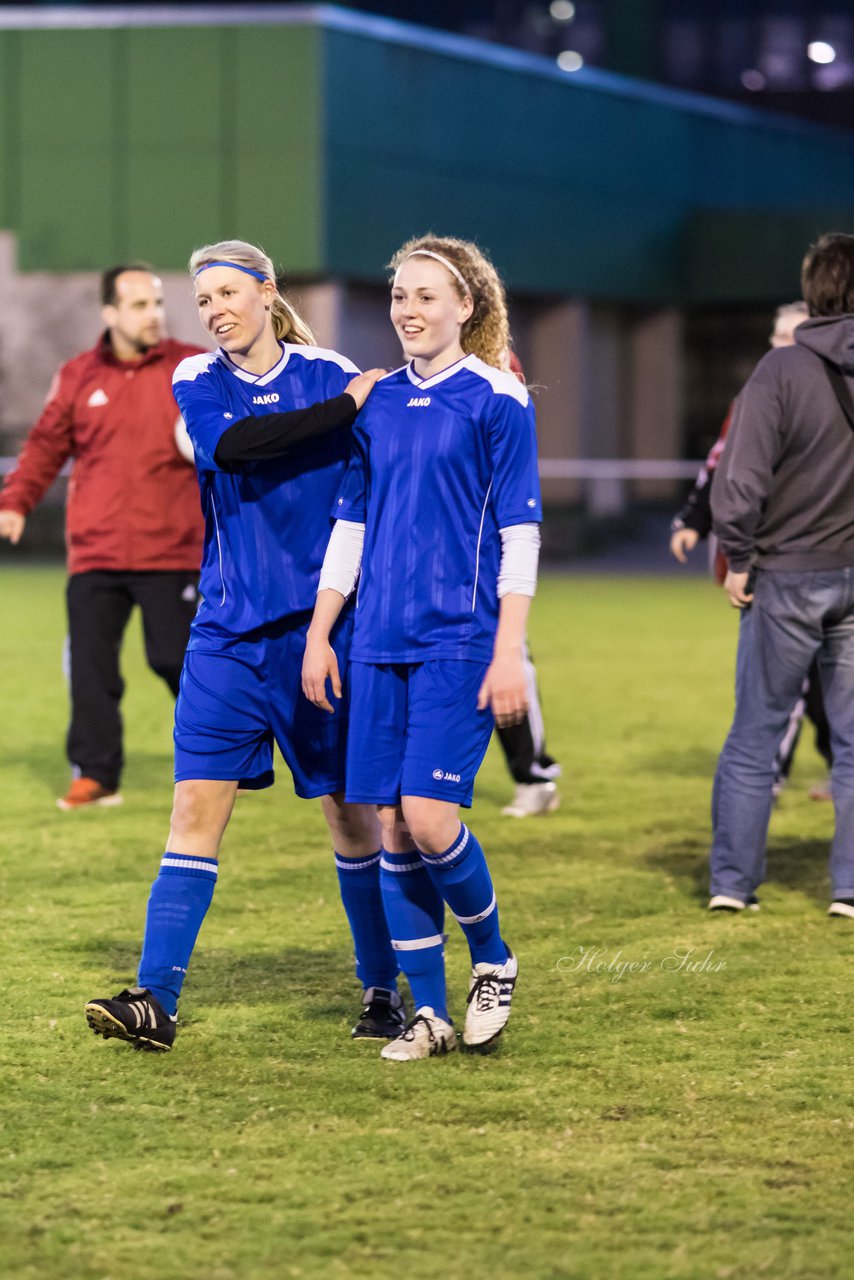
270	399
418	402
97	398
441	776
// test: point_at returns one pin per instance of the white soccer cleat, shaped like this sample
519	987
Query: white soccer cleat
532	799
490	993
425	1036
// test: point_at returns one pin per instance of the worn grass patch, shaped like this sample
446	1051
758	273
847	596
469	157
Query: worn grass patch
672	1099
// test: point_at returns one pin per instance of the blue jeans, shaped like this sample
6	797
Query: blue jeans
794	617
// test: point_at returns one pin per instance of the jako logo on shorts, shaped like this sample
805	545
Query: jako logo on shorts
272	398
441	776
418	402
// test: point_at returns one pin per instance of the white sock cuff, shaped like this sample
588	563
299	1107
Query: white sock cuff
180	862
480	916
356	864
417	944
454	851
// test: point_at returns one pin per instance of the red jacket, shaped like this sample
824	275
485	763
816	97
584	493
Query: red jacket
133	501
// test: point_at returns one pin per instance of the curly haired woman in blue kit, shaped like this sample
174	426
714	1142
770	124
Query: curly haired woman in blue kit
439	512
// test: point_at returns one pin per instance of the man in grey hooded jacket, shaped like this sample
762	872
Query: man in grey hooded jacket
783	512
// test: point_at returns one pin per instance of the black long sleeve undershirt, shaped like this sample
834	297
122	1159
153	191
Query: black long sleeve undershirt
272	434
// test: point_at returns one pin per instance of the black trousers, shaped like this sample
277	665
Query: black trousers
99	605
524	744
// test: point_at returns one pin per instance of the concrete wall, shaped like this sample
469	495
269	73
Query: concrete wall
53	317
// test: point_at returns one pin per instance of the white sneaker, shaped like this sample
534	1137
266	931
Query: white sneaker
722	902
425	1036
531	799
490	993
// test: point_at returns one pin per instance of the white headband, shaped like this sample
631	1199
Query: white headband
428	253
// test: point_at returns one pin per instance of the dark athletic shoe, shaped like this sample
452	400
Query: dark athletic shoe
842	907
133	1015
382	1017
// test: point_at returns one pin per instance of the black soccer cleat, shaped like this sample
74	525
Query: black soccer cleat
383	1016
133	1015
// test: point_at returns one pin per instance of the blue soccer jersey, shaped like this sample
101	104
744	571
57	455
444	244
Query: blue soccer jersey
266	523
439	466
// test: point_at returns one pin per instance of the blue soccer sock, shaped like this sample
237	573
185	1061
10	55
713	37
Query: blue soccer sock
179	900
462	877
376	962
415	913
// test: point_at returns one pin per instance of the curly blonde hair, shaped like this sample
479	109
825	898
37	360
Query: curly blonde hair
287	325
486	333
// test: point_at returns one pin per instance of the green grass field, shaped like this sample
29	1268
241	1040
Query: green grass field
662	1121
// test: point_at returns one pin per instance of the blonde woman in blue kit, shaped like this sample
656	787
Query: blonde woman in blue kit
268	414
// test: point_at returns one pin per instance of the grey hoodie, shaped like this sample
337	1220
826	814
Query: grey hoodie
783	496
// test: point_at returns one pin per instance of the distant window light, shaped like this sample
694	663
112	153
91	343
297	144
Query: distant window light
780	52
837	76
753	80
821	51
562	10
569	60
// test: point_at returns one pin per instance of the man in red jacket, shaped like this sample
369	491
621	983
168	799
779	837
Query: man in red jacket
133	520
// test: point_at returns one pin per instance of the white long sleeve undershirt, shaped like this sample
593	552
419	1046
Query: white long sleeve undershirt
520	554
517	573
343	558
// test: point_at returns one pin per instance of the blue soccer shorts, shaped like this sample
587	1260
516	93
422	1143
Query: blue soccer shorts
415	730
236	700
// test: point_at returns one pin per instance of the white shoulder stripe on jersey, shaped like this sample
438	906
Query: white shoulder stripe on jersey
502	382
322	353
190	368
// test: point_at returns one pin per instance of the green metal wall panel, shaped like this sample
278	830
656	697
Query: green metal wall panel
331	138
582	185
553	182
276	163
724	262
172	147
147	142
68	180
10	178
